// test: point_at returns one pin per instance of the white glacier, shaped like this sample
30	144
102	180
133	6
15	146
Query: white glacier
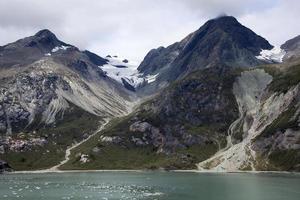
274	55
118	70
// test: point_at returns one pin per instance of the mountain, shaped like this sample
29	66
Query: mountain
292	48
219	42
51	95
29	49
225	100
221	99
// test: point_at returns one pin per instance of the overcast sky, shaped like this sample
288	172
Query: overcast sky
130	28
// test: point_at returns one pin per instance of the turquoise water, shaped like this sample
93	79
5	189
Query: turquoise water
150	185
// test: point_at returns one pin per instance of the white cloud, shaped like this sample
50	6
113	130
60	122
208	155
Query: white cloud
277	24
132	27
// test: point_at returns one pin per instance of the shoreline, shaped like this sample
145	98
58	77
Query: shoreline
68	150
145	170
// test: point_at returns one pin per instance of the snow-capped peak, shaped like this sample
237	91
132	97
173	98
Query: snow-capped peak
274	55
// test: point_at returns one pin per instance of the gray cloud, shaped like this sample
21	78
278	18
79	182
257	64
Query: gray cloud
132	27
213	8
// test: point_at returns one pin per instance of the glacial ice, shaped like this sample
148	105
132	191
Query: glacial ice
118	70
274	55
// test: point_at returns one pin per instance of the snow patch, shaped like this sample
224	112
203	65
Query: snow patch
274	55
55	49
151	78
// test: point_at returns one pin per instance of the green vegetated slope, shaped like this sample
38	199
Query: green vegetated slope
75	125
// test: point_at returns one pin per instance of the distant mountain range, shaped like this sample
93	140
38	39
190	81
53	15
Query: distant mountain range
223	98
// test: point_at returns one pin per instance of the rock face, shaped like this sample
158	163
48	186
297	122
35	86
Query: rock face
248	90
4	167
267	127
97	60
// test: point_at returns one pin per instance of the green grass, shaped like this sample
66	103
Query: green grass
123	157
285	159
36	159
284	77
128	156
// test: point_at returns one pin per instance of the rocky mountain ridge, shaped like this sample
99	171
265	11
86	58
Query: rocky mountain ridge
221	99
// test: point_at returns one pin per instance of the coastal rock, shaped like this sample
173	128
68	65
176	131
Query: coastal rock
4	167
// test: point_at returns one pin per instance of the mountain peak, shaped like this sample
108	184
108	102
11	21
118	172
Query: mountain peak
30	49
229	31
46	40
226	23
224	18
220	42
45	33
46	37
